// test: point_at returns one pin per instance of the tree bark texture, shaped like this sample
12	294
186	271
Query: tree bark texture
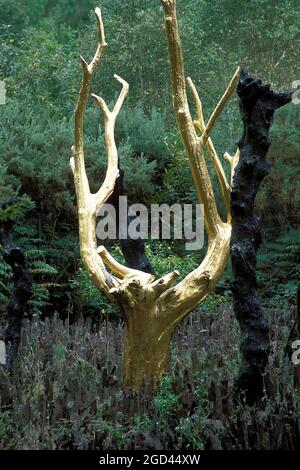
258	104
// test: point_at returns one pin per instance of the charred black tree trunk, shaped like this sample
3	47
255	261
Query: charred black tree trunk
22	289
133	250
257	106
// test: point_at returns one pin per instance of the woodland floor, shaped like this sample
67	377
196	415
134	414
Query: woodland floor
67	390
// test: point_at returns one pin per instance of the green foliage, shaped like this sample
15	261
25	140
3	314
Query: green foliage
142	423
188	434
177	184
278	201
44	274
9	190
164	259
146	134
32	149
165	402
89	300
212	303
279	268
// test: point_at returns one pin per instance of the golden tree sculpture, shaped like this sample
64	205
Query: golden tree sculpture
152	308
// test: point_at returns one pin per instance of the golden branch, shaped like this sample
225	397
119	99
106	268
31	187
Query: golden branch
119	269
88	203
220	106
193	150
233	162
177	301
205	131
162	284
112	172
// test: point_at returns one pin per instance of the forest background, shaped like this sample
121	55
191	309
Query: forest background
41	41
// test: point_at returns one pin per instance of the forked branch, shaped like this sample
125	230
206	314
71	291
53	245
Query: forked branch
200	124
220	106
190	139
176	302
233	161
88	72
151	308
89	204
112	172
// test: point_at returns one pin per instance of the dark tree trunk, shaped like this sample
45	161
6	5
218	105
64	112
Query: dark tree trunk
133	250
257	106
22	289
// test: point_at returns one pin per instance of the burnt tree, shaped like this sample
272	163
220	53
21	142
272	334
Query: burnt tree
258	104
22	287
133	250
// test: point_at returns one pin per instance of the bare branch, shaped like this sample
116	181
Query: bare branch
103	106
200	124
101	41
220	106
162	284
122	96
233	162
108	115
190	139
120	270
88	71
112	172
177	301
85	200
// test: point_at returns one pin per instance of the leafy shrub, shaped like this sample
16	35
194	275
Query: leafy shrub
164	260
165	402
278	268
88	299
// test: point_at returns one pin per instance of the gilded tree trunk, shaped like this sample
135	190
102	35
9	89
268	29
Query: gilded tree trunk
152	308
146	350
